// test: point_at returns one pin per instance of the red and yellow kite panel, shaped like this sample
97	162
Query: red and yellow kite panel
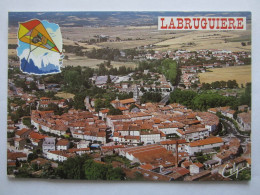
34	33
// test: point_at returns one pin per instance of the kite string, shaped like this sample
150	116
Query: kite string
30	52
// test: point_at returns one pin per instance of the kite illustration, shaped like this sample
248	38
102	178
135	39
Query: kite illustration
40	46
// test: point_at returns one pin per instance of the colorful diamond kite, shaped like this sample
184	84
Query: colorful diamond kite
34	33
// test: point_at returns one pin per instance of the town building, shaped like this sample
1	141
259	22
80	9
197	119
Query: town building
48	144
199	145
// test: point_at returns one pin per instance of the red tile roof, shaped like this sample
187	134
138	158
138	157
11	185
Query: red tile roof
182	171
62	142
167	142
35	135
186	164
116	134
211	140
44	98
104	111
15	155
127	101
72	150
180	131
118	117
132	137
122	108
150	154
198	164
146	166
22	131
112	147
101	134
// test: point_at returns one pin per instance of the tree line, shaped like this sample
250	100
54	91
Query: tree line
205	100
79	167
12	46
231	84
107	69
105	53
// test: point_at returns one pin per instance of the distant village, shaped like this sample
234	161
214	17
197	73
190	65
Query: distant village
165	142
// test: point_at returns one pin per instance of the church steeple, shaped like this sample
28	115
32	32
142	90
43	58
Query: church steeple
136	95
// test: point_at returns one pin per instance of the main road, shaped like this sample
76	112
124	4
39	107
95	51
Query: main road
232	132
165	99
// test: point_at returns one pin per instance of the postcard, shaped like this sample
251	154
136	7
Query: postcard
133	96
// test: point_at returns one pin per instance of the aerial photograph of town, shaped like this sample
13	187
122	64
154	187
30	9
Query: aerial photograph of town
126	100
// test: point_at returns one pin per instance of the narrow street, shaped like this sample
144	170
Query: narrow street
165	99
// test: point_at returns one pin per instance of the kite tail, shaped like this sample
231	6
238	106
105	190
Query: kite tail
26	62
28	57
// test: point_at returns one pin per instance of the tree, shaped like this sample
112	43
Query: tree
115	174
182	85
245	98
74	168
232	84
132	106
33	86
75	79
206	86
79	101
152	52
94	171
48	172
243	175
98	171
151	97
108	64
194	85
201	101
122	70
138	176
183	97
27	121
114	111
211	100
142	89
216	85
223	84
53	106
170	69
32	156
71	78
108	79
98	105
